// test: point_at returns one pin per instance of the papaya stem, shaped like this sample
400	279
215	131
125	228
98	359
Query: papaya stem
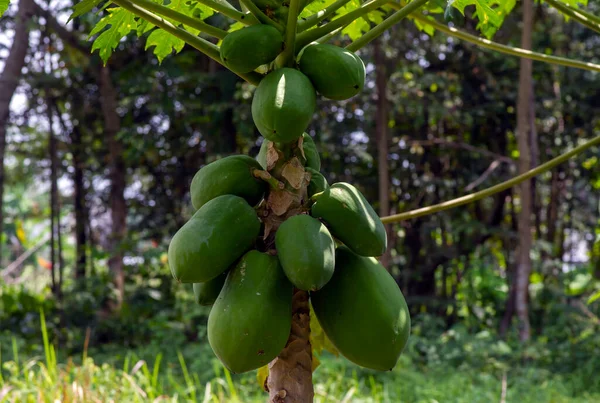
319	16
485	43
228	10
262	17
494	189
286	58
267	177
181	18
386	24
309	36
585	20
204	46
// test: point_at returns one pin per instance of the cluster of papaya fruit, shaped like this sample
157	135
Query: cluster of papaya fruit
265	226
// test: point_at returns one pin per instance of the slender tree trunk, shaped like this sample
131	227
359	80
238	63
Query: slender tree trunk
79	202
381	126
53	202
117	172
9	80
524	126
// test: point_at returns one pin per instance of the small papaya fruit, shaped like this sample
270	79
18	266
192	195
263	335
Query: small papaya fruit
250	321
363	312
245	49
283	105
229	175
310	152
306	251
317	183
206	294
218	233
351	219
336	73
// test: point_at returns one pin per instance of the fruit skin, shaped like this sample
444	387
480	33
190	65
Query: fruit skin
351	219
206	294
213	239
283	105
308	145
265	41
317	183
335	72
306	251
229	175
363	312
250	322
310	152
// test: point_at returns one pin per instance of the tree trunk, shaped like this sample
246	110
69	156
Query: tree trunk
117	172
381	126
524	126
9	80
290	374
53	201
79	204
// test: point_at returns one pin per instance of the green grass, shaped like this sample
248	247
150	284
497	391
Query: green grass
174	378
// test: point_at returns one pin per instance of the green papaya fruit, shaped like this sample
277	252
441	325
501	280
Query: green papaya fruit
206	294
336	73
310	152
363	312
306	251
229	175
317	183
213	239
250	322
245	49
308	145
351	219
283	105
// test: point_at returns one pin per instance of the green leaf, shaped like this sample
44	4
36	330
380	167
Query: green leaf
81	8
120	22
318	338
3	6
490	13
593	298
164	44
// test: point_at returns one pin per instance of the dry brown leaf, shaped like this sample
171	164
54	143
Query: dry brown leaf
293	172
279	202
272	155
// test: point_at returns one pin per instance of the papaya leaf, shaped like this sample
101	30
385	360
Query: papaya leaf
593	298
119	22
315	6
83	7
3	6
164	44
490	13
318	338
261	376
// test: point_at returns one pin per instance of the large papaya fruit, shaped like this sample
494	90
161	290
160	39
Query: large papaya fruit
229	175
213	239
351	219
308	146
317	183
244	50
363	312
250	322
335	72
206	294
306	251
283	105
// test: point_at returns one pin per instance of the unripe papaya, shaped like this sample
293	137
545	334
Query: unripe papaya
335	72
308	146
317	183
230	175
351	219
363	312
283	105
244	50
306	251
310	152
213	239
206	294
250	322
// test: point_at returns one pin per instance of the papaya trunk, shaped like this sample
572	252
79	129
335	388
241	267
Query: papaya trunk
290	374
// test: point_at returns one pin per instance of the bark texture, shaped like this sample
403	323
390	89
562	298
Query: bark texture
290	374
524	126
9	80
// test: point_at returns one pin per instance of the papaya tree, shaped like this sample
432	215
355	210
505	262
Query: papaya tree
272	247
